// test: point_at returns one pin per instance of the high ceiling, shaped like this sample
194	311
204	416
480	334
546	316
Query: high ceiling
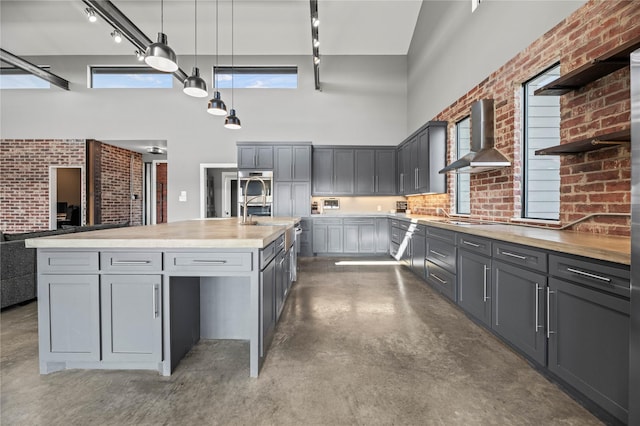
261	27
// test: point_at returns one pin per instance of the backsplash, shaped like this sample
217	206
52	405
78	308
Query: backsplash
361	204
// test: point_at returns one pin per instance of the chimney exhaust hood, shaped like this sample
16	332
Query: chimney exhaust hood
483	156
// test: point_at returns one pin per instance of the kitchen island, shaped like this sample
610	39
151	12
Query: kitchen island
141	297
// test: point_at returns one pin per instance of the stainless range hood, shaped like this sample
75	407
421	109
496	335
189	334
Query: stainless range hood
483	156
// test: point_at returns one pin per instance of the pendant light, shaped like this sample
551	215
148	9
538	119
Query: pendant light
159	55
216	105
232	121
194	85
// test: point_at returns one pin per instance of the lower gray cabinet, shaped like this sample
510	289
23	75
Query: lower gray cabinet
267	305
281	286
474	285
306	237
131	318
518	308
327	236
418	252
69	317
589	343
382	235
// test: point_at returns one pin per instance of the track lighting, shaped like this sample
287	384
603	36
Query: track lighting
316	60
117	37
159	55
91	14
315	21
316	43
139	55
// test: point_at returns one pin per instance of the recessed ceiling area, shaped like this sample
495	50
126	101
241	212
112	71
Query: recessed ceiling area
141	145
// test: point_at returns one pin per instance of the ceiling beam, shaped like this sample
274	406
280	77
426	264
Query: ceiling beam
18	62
118	20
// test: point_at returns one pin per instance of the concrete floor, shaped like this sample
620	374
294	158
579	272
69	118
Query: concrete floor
355	345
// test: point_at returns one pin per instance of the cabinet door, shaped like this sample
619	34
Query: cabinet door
418	254
474	285
589	343
280	283
264	157
385	172
283	170
382	235
301	199
365	175
131	318
350	238
422	175
69	317
301	163
518	308
367	239
411	164
343	171
437	159
334	239
246	157
320	239
267	305
322	171
282	199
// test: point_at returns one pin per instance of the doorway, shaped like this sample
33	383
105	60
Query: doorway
66	204
218	190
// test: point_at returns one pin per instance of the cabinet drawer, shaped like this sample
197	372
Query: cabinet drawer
393	249
359	221
327	221
130	262
522	256
52	262
593	273
441	279
270	251
443	234
206	261
442	253
395	223
473	243
404	224
396	235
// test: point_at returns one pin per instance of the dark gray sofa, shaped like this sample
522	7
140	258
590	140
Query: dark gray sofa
18	263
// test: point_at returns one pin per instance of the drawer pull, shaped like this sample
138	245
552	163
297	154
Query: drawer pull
549	332
210	261
517	256
538	288
438	278
156	292
437	254
587	274
484	291
469	243
130	262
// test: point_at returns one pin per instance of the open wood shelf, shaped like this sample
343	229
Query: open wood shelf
597	68
590	144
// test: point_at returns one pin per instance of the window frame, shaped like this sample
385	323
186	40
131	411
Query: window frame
255	69
20	71
124	69
459	154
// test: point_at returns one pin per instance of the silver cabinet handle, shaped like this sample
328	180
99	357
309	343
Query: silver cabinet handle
377	186
436	253
401	182
210	261
415	178
130	262
156	291
587	274
538	288
549	332
438	278
469	243
517	256
484	291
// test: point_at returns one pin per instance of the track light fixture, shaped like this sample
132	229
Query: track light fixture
159	55
139	55
316	60
194	85
315	21
216	105
91	14
117	36
316	43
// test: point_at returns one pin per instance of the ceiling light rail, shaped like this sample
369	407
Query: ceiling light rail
315	41
18	62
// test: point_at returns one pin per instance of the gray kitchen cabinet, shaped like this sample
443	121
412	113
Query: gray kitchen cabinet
131	318
421	157
255	157
418	251
343	171
375	171
359	235
306	237
281	283
322	171
382	235
291	199
588	330
518	308
405	174
292	163
327	236
474	285
386	172
350	233
441	279
69	317
365	171
267	305
441	265
335	239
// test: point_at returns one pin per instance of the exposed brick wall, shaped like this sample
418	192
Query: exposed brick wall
121	177
24	179
596	182
161	192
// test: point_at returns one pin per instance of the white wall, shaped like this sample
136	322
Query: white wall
453	50
363	102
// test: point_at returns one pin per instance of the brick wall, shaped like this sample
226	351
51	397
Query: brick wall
120	178
596	182
24	179
161	192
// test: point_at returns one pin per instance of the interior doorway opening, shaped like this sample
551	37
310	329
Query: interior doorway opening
218	190
66	201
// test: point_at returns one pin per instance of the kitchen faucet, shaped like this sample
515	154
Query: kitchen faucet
247	199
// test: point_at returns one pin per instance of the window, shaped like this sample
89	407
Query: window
257	77
15	78
129	78
541	180
463	146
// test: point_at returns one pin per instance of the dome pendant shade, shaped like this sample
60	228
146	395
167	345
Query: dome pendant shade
216	105
160	56
232	121
194	85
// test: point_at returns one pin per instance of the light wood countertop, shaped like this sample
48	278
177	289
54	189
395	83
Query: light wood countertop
204	233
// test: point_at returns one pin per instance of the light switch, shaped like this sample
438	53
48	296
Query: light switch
183	196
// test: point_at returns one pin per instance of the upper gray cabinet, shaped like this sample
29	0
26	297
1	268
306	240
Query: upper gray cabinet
333	172
292	163
255	156
322	170
420	158
375	171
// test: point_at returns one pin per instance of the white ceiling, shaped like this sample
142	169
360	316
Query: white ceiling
261	27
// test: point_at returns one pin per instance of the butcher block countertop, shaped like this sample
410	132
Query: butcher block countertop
610	248
204	233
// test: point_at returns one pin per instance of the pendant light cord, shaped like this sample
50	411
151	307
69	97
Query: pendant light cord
162	16
233	72
195	31
215	75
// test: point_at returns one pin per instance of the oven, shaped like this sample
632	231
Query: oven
258	197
